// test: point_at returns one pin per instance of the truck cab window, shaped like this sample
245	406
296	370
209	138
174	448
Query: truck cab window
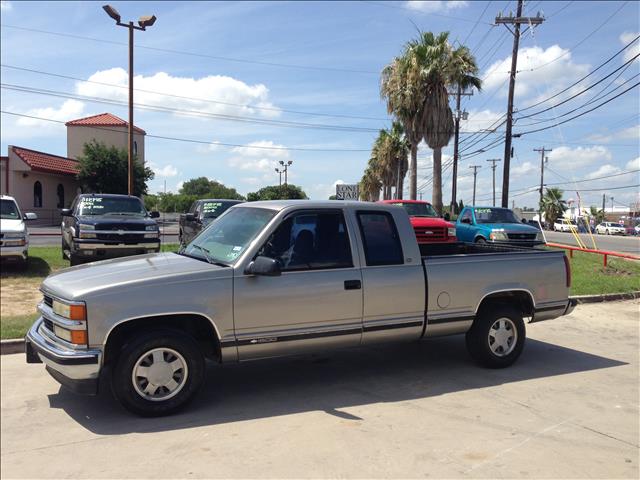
380	237
310	241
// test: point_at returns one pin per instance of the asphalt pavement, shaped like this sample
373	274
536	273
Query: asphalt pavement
612	243
567	409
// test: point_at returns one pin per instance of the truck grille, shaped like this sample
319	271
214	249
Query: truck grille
120	226
48	324
48	301
124	238
521	236
430	234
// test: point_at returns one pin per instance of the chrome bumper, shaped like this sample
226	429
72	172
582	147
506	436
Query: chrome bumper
77	370
14	251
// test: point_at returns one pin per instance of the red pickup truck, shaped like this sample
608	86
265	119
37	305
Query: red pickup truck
427	225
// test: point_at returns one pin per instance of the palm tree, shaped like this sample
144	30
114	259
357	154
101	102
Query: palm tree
597	215
415	88
370	185
552	205
400	153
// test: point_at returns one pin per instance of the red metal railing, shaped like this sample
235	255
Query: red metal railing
604	253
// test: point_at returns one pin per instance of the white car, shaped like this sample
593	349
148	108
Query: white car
562	225
14	237
609	228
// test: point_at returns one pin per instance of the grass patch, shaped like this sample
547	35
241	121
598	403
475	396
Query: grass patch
590	277
16	326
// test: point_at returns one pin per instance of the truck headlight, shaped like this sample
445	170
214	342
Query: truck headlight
15	239
451	231
72	311
83	230
151	228
86	226
498	236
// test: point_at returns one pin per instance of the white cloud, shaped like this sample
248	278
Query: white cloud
5	5
69	110
527	168
435	5
324	190
604	170
634	49
630	133
214	146
166	171
179	185
257	159
633	164
568	159
201	92
481	120
539	71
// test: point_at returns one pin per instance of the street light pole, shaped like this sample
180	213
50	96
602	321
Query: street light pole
280	173
143	23
286	166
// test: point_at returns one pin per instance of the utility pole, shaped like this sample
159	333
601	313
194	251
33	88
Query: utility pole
543	159
611	204
456	137
143	22
516	22
603	195
493	167
475	174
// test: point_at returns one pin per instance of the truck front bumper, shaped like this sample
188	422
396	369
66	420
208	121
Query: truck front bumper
18	252
77	370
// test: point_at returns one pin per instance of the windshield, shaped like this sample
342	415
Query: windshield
230	235
418	209
9	210
111	206
215	209
619	225
495	215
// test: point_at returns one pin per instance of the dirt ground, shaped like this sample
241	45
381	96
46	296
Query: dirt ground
19	296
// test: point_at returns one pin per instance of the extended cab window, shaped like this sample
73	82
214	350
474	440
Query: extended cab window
380	237
310	241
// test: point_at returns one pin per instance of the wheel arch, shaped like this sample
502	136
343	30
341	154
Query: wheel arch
199	326
520	297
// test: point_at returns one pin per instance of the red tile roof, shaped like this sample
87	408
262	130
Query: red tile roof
45	162
103	120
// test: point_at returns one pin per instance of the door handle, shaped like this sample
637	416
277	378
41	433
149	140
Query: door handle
352	284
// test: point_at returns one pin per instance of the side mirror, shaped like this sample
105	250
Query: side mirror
447	217
66	212
466	220
189	217
30	216
266	266
154	214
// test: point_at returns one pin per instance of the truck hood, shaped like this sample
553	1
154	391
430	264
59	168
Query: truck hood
12	226
429	222
124	273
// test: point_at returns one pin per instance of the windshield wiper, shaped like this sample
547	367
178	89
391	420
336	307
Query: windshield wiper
208	256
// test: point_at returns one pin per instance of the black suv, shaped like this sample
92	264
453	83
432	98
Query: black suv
201	214
100	226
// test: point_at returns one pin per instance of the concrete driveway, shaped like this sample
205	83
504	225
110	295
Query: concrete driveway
568	408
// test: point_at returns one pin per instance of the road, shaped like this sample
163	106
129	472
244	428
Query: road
611	243
567	409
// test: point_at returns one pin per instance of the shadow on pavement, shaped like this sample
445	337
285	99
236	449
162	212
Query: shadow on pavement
347	378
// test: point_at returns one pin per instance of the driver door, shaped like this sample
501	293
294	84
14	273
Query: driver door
315	303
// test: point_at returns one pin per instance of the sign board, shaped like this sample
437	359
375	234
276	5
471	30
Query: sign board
346	192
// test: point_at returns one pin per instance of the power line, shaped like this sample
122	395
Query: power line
583	113
604	177
256	107
434	14
194	54
201	142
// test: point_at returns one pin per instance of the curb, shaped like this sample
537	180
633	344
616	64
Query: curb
11	346
607	297
17	345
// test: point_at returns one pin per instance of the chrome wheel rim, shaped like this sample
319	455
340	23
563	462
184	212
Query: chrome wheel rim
159	374
503	336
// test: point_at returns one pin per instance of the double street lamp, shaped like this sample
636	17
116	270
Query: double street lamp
143	23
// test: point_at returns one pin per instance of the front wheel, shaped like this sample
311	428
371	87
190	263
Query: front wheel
608	232
481	240
497	336
158	373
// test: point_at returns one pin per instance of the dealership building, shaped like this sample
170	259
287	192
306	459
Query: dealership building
44	183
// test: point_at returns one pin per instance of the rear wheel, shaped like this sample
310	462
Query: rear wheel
158	373
497	336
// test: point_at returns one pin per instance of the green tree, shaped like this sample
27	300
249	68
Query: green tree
333	197
370	185
597	214
106	170
552	205
202	187
277	192
415	88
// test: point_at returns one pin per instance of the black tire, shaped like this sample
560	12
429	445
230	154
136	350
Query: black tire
75	260
122	382
478	338
480	240
64	247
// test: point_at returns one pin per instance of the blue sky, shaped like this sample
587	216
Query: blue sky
248	66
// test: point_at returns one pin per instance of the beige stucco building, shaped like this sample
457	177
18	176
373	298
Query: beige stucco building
44	183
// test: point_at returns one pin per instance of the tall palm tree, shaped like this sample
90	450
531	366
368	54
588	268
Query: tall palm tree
415	87
552	205
370	185
400	153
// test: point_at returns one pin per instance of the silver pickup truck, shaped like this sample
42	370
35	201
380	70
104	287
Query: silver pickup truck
283	277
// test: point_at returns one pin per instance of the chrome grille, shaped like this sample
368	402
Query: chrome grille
430	234
48	301
48	324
